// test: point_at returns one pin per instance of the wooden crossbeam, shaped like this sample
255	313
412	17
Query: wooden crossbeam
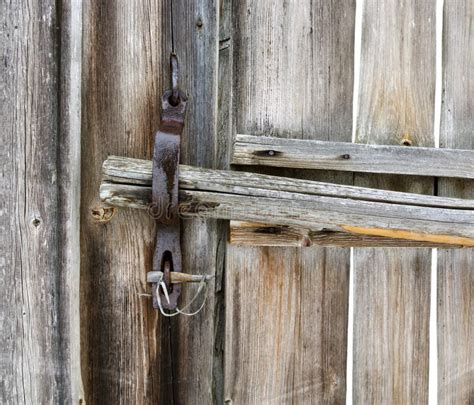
324	214
344	156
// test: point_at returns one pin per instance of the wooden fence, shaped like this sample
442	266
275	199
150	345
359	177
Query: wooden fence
82	80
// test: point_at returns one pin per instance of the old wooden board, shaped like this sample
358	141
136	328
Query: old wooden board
197	363
125	350
456	269
286	308
316	206
392	287
40	166
312	154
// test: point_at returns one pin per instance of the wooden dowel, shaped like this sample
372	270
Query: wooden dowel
314	206
344	156
177	277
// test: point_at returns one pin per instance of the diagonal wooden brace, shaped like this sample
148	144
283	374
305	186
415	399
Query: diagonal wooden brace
325	214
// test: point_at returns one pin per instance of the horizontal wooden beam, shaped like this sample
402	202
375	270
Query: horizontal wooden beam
344	156
319	208
259	234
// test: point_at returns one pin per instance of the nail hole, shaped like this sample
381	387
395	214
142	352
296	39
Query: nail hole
36	222
199	23
406	140
346	156
266	153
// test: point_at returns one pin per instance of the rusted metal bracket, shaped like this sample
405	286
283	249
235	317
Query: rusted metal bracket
167	255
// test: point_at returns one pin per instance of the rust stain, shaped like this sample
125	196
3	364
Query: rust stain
410	235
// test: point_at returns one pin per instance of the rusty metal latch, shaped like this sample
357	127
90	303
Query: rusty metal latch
167	256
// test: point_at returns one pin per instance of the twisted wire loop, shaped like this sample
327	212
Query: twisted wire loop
162	285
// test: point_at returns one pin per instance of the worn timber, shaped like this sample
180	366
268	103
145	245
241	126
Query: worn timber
345	156
317	206
292	64
395	103
40	109
456	267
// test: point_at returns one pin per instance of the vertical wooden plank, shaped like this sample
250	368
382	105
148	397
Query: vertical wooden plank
286	308
69	197
456	267
196	358
38	213
125	351
392	286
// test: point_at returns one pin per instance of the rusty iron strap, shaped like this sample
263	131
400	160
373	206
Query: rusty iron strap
167	255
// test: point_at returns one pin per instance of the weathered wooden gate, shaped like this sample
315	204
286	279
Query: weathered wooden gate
78	325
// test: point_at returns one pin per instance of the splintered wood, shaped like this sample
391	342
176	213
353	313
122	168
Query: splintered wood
322	209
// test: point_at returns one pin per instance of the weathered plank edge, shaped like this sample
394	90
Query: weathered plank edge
126	170
244	233
344	156
69	173
207	197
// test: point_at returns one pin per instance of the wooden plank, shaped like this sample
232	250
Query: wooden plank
39	253
456	269
286	308
130	171
208	193
311	154
392	287
259	234
69	197
125	345
196	368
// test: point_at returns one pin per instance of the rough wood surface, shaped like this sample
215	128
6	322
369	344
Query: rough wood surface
39	183
208	193
119	170
125	346
292	64
197	369
456	268
392	286
344	156
259	234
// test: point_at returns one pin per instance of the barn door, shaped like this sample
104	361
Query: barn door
276	327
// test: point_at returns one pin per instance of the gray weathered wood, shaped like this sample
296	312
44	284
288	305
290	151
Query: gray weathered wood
456	268
292	77
344	156
208	193
69	198
196	369
39	185
125	346
130	171
392	286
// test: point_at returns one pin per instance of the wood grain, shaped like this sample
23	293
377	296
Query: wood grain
125	345
286	308
456	269
207	193
259	234
197	365
39	184
119	170
392	287
311	154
